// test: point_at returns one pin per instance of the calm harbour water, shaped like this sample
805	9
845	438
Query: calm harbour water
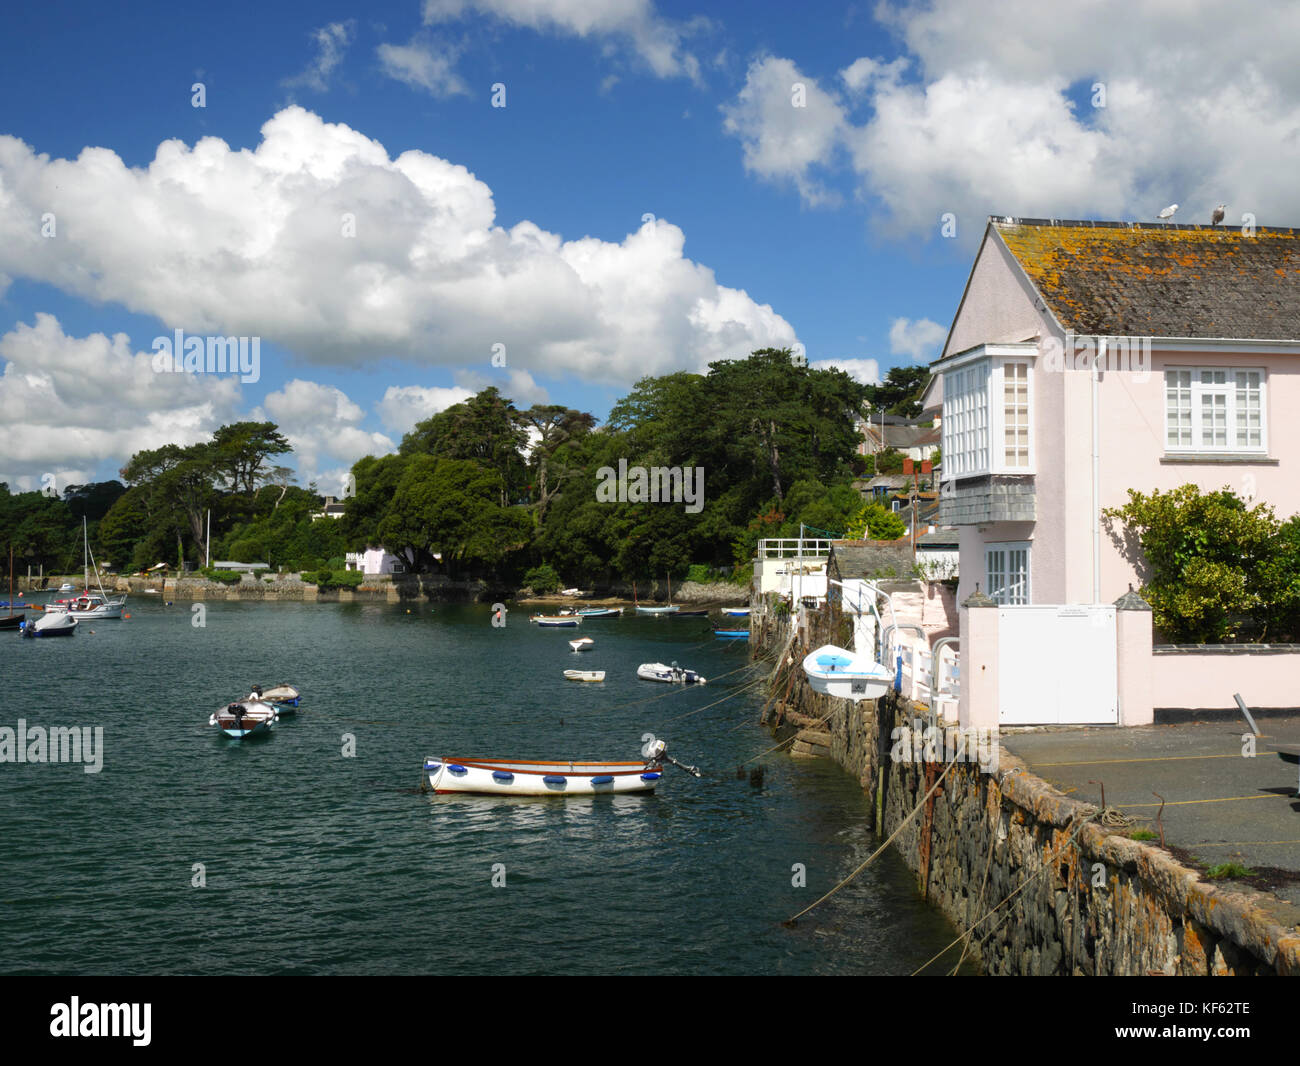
320	863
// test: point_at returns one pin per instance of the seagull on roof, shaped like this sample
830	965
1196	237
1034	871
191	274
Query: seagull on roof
1217	217
1168	212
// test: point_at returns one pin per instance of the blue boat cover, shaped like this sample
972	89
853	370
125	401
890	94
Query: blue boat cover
834	660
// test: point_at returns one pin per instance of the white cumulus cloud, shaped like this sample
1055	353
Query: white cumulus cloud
919	339
318	242
68	403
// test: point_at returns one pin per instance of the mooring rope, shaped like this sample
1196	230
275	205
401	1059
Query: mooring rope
872	857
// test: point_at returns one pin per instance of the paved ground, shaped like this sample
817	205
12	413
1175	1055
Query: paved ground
1219	805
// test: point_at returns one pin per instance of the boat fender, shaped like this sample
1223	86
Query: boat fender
651	776
503	776
603	779
456	768
554	779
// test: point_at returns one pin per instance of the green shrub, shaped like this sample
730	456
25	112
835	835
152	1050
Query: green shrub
542	579
335	579
337	563
1227	870
226	577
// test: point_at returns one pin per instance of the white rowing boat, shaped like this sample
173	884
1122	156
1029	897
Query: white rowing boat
501	777
585	675
245	718
582	644
834	671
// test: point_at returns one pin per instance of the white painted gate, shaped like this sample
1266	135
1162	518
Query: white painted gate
1056	665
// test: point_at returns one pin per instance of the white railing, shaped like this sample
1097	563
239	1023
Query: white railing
792	547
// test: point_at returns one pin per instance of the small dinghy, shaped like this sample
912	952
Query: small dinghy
50	624
736	612
284	698
245	718
585	675
690	614
499	777
553	620
835	671
673	674
582	644
670	609
731	634
600	612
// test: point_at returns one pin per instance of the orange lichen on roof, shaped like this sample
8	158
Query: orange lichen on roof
1168	280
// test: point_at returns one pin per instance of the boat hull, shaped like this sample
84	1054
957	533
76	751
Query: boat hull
58	624
446	775
584	675
257	720
658	610
601	612
836	672
736	612
674	675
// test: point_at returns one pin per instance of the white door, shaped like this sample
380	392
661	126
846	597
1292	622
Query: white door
1056	665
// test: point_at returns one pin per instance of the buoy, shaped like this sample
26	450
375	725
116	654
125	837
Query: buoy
126	616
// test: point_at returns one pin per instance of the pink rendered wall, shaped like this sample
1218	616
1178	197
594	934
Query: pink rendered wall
1133	444
1207	681
998	307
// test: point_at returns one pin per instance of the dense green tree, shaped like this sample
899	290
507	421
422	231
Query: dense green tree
900	392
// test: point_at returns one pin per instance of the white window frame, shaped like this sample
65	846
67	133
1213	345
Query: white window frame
1012	588
974	421
1233	388
997	420
965	426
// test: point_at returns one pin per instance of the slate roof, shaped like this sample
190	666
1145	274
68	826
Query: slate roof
1130	279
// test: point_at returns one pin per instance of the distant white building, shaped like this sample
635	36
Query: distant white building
376	561
333	509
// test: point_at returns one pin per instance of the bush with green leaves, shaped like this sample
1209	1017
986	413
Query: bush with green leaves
542	579
1212	561
876	522
225	577
335	579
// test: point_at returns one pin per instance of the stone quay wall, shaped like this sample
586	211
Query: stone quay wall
1068	894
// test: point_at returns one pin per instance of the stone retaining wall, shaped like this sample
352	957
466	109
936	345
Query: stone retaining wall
1084	898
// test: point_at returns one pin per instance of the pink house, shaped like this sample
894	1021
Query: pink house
1087	358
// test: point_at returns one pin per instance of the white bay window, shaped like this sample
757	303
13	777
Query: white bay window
987	418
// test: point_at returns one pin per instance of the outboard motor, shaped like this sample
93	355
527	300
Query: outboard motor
659	754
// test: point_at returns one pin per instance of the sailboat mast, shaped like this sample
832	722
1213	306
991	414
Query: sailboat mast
85	554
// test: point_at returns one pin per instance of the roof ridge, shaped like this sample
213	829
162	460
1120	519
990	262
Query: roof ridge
1003	221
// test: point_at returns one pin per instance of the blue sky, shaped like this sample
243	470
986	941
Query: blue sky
798	164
